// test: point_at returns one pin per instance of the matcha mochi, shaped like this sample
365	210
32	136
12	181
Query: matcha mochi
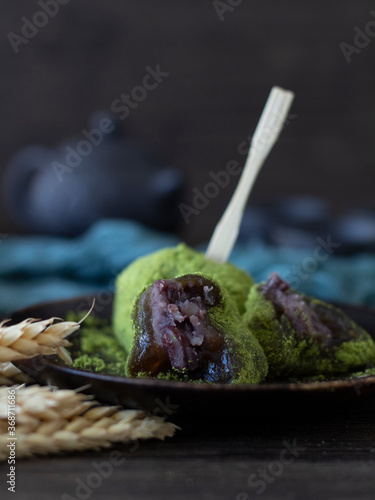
302	336
188	328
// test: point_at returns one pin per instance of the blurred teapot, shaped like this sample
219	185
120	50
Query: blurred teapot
62	191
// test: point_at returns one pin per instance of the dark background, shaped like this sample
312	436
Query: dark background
220	75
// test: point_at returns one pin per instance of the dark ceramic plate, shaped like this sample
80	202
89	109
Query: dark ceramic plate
196	400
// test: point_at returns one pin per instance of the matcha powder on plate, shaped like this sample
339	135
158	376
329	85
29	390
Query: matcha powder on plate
95	348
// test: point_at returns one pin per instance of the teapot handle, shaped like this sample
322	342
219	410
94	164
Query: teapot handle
17	181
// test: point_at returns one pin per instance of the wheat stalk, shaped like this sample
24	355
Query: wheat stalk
33	337
49	422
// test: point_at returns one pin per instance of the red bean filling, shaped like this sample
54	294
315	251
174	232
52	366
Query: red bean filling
176	331
309	319
180	321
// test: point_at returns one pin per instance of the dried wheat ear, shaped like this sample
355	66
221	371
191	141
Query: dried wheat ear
34	337
31	338
49	422
28	339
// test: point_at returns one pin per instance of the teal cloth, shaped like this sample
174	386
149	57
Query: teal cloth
40	268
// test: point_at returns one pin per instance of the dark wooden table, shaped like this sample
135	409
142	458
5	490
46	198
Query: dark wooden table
314	456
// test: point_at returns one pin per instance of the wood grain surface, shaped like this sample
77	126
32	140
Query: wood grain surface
335	459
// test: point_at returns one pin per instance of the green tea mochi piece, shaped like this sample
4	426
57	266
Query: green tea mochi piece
189	328
303	336
165	264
